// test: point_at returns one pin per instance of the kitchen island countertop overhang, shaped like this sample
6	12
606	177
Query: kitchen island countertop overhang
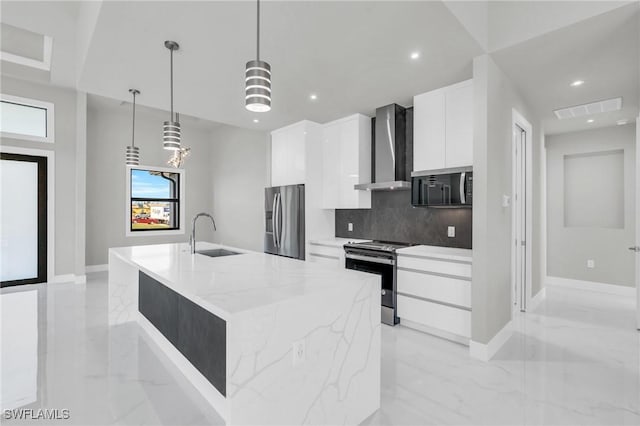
268	306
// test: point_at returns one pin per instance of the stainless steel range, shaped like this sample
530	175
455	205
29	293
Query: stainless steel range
378	257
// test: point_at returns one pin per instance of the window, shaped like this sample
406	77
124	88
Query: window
154	205
28	119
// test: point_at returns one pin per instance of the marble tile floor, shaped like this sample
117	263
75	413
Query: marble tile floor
574	361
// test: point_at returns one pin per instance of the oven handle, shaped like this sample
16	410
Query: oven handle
370	259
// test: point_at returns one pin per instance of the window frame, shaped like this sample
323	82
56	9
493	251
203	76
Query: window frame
180	200
32	103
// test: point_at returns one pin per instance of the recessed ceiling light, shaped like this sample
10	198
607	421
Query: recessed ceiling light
577	83
621	122
313	96
255	120
415	55
590	120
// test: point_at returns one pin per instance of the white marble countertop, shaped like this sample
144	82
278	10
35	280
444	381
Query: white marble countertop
336	241
232	284
437	252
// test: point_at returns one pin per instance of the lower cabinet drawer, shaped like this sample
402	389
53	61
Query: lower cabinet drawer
434	287
441	267
326	251
446	318
325	259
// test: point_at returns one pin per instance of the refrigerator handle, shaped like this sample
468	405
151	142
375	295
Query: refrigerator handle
273	219
463	181
280	221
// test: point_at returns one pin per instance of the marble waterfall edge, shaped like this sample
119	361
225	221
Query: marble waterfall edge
335	315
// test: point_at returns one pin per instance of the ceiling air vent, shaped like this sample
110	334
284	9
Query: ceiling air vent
607	105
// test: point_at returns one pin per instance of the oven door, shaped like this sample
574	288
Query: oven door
385	268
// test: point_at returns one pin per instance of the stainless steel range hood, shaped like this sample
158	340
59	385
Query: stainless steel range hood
389	162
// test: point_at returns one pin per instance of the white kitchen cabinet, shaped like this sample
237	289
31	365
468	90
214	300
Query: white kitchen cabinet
429	130
346	162
288	154
443	128
434	291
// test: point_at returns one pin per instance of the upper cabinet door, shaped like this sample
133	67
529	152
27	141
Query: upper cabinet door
331	166
429	131
346	162
459	125
288	155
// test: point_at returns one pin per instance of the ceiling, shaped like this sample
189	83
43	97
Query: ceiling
603	51
353	55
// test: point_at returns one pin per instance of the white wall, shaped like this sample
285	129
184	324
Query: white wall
69	173
494	99
239	176
108	133
571	240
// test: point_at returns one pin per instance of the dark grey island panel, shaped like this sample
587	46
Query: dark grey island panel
197	333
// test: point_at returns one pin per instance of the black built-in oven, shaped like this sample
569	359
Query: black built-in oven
382	264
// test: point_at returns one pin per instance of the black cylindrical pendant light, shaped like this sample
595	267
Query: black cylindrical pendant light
257	78
133	152
171	128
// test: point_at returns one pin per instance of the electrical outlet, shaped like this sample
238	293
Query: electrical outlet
299	352
350	227
591	263
451	231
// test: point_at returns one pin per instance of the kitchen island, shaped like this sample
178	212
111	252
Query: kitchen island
266	339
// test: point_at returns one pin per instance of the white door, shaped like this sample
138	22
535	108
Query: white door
520	219
637	246
23	219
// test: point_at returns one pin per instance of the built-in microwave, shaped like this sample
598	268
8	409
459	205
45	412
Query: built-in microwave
442	189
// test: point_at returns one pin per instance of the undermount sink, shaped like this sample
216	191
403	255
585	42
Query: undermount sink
217	252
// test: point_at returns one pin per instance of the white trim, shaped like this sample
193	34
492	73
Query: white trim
485	352
619	290
51	199
96	268
127	218
537	299
637	239
518	119
44	64
434	332
48	106
69	279
66	278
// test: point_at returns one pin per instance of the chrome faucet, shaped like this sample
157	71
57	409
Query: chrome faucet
192	238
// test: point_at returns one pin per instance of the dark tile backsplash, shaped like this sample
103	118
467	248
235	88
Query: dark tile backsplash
393	218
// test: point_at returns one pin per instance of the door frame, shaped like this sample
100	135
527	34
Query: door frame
637	239
50	155
518	120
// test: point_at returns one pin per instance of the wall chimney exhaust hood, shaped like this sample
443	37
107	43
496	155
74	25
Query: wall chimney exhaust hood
389	153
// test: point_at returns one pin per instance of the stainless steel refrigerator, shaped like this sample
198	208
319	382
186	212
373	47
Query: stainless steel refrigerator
284	221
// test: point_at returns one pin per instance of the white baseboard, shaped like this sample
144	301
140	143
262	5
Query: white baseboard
537	299
619	290
66	278
96	268
434	331
70	278
485	352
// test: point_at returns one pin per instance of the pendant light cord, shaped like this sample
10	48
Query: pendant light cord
171	67
133	133
258	31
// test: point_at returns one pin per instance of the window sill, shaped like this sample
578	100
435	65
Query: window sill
154	233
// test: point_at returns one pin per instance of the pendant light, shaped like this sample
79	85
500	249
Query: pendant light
133	152
257	78
171	128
